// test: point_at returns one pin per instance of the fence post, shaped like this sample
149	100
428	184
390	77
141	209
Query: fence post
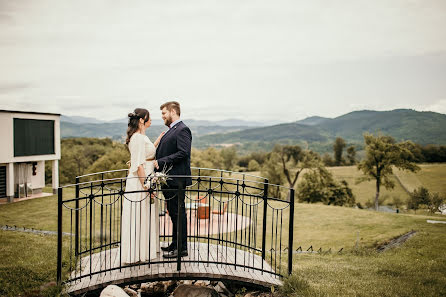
291	227
76	220
265	207
179	225
59	236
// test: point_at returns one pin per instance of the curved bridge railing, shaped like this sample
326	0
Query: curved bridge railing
233	220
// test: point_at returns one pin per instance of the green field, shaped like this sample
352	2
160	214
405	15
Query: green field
366	190
431	176
417	268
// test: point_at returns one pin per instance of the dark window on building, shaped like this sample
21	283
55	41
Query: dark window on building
2	181
33	137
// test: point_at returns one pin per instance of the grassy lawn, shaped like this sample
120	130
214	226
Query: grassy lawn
366	190
431	176
418	268
27	262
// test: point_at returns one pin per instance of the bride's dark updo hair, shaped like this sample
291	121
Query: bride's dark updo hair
139	113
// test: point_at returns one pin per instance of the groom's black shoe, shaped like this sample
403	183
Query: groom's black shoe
168	248
174	254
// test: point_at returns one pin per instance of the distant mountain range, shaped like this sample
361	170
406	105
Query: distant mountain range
313	121
190	122
315	132
319	133
80	120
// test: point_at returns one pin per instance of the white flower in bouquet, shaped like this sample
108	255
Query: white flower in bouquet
156	179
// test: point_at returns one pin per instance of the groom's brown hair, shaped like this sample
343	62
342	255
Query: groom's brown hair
172	105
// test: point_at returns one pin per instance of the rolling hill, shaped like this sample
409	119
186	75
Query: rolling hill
316	132
402	124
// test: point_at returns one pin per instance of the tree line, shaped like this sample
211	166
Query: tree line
283	165
344	154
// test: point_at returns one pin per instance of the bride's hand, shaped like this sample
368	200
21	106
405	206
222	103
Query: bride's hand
157	141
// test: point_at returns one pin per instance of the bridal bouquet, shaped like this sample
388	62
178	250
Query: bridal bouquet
156	179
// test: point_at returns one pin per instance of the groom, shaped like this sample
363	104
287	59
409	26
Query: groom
174	150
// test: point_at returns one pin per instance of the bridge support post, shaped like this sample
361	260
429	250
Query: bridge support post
265	207
76	220
180	201
291	231
59	236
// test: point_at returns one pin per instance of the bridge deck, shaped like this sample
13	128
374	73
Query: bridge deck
196	269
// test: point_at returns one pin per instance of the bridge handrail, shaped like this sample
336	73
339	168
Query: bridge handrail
196	168
179	176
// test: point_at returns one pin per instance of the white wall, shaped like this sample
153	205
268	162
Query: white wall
38	180
7	137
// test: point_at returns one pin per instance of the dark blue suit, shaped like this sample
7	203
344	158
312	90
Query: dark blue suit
174	150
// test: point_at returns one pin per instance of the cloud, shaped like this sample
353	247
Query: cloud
438	106
6	88
253	59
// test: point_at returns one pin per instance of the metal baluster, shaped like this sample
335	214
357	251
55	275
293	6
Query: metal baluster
91	214
281	230
120	228
265	206
236	224
59	236
290	240
76	232
102	208
180	193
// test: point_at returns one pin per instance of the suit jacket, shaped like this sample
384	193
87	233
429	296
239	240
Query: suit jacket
174	150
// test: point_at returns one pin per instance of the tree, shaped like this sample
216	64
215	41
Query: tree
113	160
435	202
208	158
415	149
351	155
422	197
320	186
294	160
229	156
433	153
338	148
419	197
72	163
397	202
272	170
327	160
78	154
382	154
253	165
340	194
259	157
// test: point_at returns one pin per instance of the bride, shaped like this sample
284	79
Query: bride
140	218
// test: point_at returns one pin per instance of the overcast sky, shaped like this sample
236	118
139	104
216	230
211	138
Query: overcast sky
255	60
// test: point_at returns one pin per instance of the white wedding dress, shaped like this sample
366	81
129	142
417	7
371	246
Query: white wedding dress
140	218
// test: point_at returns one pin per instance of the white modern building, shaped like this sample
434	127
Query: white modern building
28	140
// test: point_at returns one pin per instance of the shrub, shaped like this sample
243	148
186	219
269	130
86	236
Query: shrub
253	166
319	186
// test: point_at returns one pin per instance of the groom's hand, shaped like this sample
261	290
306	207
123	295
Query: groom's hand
155	163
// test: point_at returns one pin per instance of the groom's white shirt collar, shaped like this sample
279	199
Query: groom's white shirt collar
174	123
